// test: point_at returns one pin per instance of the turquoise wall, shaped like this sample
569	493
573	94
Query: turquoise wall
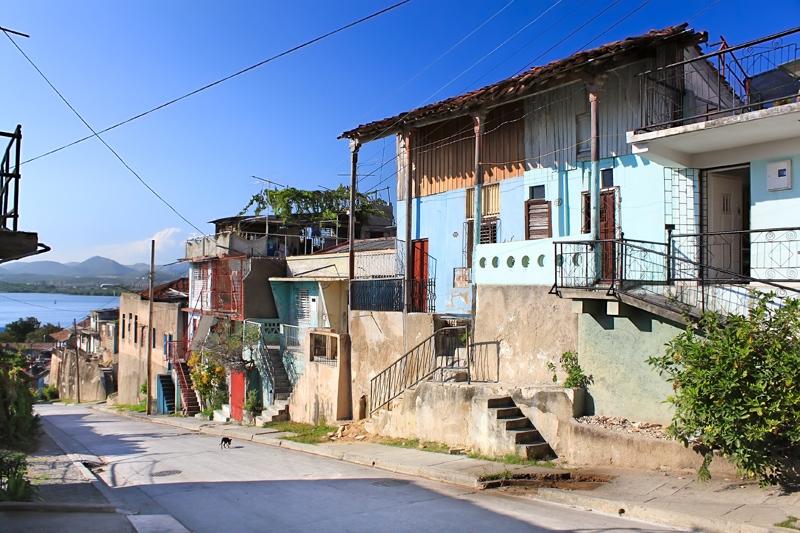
774	209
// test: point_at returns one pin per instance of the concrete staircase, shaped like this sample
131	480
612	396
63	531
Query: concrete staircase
282	389
277	412
517	429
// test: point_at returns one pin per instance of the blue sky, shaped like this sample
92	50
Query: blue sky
115	59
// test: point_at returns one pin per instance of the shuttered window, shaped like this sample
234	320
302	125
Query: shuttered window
303	306
586	213
538	220
490	201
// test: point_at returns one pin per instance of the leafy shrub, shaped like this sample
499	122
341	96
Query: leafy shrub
252	404
19	426
208	378
576	378
50	393
13	484
737	389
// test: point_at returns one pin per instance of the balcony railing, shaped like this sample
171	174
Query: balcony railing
291	338
377	295
381	264
734	79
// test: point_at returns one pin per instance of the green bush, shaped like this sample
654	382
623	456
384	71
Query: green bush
18	424
736	384
576	378
252	404
13	484
50	393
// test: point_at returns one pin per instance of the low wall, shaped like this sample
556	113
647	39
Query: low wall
532	327
314	396
456	414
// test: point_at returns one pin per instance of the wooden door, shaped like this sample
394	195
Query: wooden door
723	249
608	232
237	394
419	275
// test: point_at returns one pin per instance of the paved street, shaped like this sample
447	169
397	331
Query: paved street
151	469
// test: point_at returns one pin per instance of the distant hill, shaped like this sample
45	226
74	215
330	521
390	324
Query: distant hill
90	270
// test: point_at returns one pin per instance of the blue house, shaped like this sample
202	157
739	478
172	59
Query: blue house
600	201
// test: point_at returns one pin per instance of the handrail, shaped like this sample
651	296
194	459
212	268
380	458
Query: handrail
409	370
735	232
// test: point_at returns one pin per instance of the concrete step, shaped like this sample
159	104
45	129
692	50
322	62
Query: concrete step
518	423
525	436
504	401
502	413
283	395
220	416
226	410
538	450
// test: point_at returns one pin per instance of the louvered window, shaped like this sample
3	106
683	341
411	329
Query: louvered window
538	223
586	213
303	306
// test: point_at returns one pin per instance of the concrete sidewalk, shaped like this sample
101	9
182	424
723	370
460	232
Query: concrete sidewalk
721	505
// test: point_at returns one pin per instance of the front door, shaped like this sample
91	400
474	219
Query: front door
419	272
237	394
724	242
608	231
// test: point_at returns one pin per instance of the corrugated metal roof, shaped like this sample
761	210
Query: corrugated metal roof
533	80
362	245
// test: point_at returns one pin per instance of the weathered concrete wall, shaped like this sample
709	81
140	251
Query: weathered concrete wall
614	350
167	319
377	342
258	299
314	396
93	384
532	327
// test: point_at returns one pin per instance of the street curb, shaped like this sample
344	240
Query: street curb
42	507
638	511
454	478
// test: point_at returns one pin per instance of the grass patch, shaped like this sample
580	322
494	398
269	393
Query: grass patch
497	476
135	407
513	459
791	523
427	446
305	433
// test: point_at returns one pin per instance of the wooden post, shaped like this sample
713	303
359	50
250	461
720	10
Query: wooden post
148	405
409	266
77	362
351	227
478	123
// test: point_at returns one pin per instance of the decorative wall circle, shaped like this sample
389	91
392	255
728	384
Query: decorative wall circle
559	260
540	260
495	261
526	261
482	262
510	261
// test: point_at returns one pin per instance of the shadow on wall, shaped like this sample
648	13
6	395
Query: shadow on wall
641	321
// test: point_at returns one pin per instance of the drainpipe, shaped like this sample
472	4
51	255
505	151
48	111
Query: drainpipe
594	183
478	123
409	191
351	229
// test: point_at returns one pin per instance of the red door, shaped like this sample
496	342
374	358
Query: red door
419	273
607	231
237	394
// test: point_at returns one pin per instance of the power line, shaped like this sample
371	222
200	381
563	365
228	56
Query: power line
226	78
617	23
95	134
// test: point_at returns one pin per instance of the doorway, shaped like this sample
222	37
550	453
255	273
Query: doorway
419	273
608	231
726	242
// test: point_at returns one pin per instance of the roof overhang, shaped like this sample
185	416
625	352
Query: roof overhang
701	144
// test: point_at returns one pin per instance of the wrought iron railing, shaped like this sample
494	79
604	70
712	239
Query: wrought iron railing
762	254
576	264
732	80
290	337
446	349
9	180
423	295
388	263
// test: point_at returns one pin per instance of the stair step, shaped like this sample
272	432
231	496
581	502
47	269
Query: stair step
518	423
507	412
505	401
525	436
538	450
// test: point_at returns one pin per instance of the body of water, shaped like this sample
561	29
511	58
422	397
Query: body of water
59	309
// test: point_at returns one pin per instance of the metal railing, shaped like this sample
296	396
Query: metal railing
325	347
388	263
445	349
732	80
377	295
9	180
762	254
423	295
290	337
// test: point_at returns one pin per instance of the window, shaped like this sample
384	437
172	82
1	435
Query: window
538	220
607	178
536	192
135	329
583	136
122	331
153	336
489	231
303	306
490	201
586	212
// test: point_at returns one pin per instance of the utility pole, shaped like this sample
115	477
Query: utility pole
77	361
148	405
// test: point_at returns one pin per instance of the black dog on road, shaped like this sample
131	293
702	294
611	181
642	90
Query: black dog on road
225	442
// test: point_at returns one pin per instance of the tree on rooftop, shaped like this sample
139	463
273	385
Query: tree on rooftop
300	205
